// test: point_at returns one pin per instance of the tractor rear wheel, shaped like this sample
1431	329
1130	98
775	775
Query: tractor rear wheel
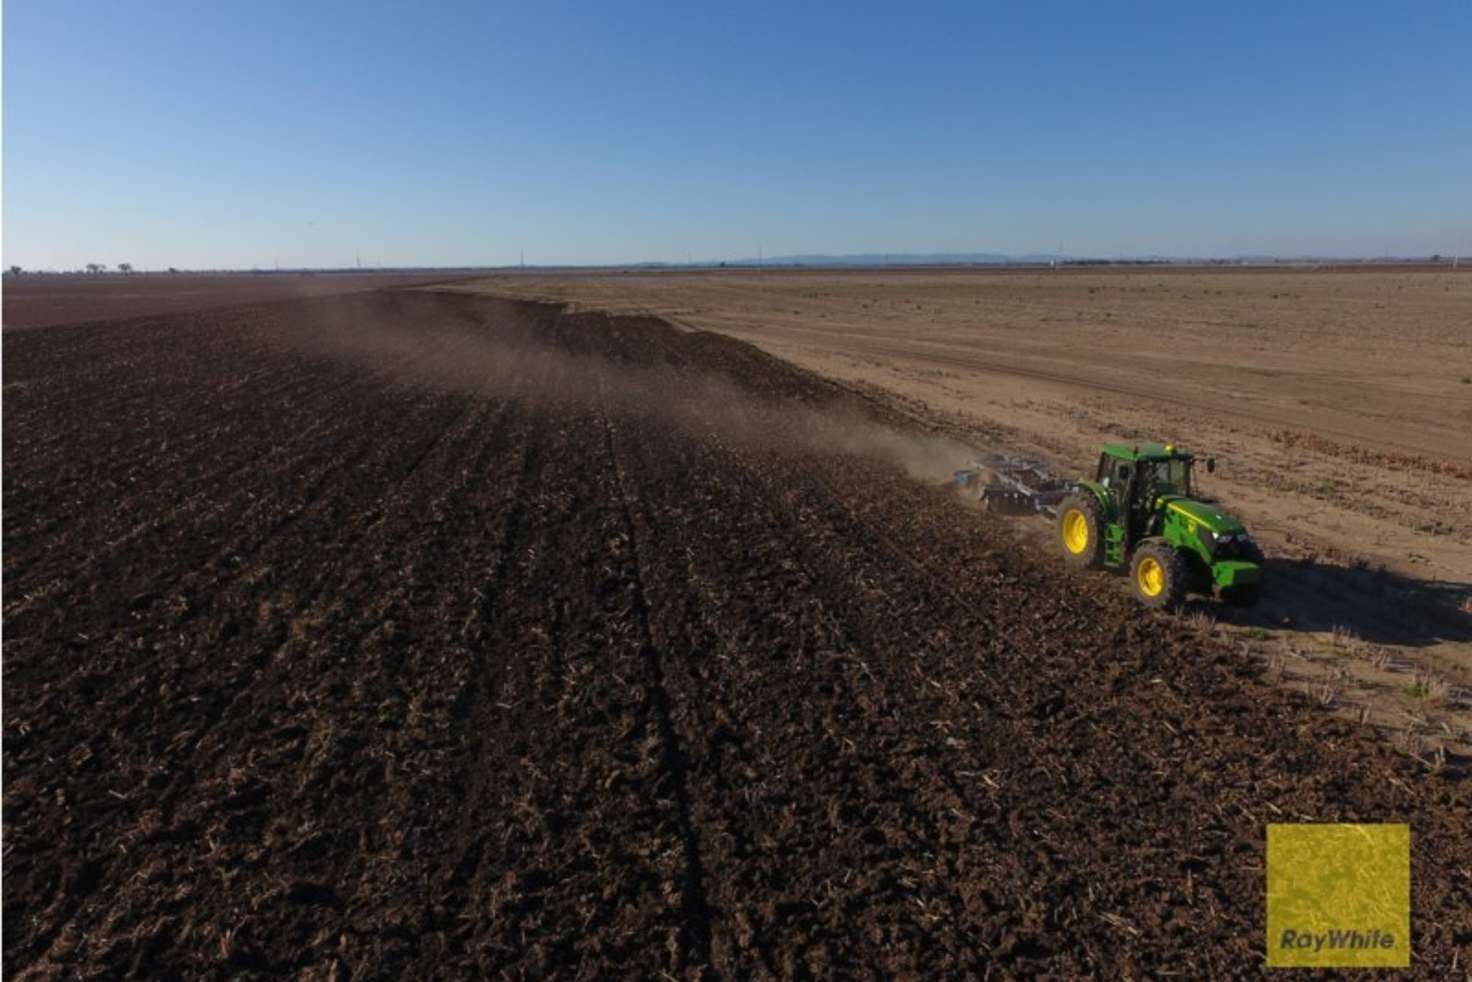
1081	530
1159	574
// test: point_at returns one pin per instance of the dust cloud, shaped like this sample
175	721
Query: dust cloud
540	357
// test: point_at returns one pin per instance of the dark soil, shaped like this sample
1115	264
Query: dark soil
417	635
40	300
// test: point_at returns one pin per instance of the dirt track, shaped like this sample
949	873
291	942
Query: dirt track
413	634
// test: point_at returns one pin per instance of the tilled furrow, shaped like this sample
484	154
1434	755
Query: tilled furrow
573	828
695	936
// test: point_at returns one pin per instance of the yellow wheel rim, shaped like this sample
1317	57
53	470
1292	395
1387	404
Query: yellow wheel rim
1075	531
1150	575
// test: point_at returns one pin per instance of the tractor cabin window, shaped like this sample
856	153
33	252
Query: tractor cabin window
1172	477
1113	474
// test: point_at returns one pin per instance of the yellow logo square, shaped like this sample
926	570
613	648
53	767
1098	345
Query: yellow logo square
1339	896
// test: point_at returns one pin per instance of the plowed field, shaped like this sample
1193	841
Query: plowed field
414	635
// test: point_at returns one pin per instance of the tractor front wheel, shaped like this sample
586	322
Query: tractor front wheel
1159	574
1081	530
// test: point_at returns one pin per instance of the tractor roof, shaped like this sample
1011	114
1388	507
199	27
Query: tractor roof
1146	451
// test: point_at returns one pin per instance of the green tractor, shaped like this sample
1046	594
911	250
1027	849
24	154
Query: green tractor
1139	513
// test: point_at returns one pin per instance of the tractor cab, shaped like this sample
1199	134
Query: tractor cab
1136	476
1155	465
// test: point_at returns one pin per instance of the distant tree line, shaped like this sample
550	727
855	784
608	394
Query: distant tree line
92	269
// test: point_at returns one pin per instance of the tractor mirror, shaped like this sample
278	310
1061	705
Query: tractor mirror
1211	465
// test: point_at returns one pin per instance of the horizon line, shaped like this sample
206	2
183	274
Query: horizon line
793	261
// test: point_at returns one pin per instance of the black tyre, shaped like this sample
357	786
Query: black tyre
1159	573
1081	530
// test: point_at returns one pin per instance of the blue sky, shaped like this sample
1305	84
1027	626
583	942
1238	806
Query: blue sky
227	134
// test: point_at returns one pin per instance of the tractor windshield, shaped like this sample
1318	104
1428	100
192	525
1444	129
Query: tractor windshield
1171	477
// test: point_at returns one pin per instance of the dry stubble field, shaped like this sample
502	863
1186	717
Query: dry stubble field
417	634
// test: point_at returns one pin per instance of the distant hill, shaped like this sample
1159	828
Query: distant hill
900	259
